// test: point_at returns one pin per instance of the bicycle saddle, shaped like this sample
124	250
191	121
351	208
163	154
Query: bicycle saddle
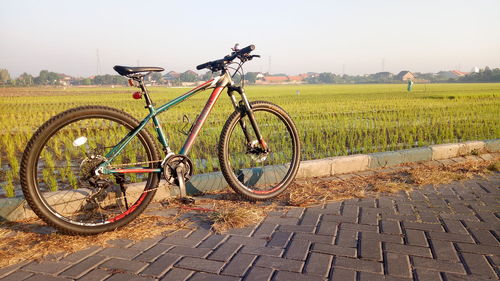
127	70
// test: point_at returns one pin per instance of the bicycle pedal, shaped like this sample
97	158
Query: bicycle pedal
187	200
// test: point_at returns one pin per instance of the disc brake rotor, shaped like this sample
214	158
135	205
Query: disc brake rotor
256	152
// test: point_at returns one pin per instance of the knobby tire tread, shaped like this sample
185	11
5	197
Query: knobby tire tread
226	168
25	170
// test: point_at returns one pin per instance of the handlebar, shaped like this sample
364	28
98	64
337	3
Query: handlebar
242	54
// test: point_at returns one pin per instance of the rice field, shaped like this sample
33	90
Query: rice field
332	120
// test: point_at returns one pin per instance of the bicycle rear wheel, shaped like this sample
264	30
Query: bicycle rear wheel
58	178
250	171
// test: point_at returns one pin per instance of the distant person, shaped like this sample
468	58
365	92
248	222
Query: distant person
410	85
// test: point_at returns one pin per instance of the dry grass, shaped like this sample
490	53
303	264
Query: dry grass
318	191
322	190
22	241
227	218
230	211
423	175
226	210
494	167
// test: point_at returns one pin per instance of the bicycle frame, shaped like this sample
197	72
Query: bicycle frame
218	83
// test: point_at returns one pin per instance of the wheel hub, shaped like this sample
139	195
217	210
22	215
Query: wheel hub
89	165
256	152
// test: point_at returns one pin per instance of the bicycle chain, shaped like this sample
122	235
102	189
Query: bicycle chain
134	164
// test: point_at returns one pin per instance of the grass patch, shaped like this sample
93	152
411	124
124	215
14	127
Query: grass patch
494	167
227	218
23	241
423	175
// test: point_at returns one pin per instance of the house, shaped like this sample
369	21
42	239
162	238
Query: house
172	76
281	79
452	74
405	75
64	80
275	79
459	73
296	79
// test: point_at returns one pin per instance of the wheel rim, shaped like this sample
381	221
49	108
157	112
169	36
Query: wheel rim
65	164
255	171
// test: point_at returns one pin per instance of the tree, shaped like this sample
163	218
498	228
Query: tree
326	77
86	81
207	76
251	77
43	78
109	80
53	78
4	76
189	76
25	79
156	77
484	75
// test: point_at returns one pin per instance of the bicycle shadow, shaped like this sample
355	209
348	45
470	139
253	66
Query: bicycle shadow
35	226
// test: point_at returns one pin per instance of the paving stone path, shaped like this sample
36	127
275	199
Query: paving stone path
444	232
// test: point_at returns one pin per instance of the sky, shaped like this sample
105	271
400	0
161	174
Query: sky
83	38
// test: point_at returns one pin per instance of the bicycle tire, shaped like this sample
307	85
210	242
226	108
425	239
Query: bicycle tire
35	188
239	176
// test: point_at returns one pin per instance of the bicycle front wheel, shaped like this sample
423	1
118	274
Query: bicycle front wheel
250	171
58	171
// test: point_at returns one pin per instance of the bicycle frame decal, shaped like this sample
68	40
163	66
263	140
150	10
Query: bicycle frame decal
153	112
201	120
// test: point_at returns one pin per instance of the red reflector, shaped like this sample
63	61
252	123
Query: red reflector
137	95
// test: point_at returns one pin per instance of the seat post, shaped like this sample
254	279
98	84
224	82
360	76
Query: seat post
149	102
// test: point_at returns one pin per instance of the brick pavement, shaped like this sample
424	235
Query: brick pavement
444	232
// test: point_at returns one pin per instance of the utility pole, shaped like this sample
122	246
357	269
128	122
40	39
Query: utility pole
98	63
269	66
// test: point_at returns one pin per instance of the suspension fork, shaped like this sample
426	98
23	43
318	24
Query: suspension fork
245	108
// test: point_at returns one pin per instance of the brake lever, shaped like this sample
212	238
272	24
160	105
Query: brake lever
253	56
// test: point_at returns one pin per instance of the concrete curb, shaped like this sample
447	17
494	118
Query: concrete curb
13	209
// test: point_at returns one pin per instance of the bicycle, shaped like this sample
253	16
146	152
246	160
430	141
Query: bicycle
92	169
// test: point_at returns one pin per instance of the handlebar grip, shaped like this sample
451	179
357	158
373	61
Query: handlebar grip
247	49
203	65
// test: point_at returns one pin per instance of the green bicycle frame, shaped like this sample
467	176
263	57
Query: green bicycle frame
218	83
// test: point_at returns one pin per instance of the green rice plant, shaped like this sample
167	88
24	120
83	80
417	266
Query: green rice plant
56	147
331	119
14	165
8	187
49	179
48	159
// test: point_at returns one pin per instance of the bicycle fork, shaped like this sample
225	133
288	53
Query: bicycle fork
245	108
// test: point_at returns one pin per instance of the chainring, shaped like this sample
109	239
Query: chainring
170	165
